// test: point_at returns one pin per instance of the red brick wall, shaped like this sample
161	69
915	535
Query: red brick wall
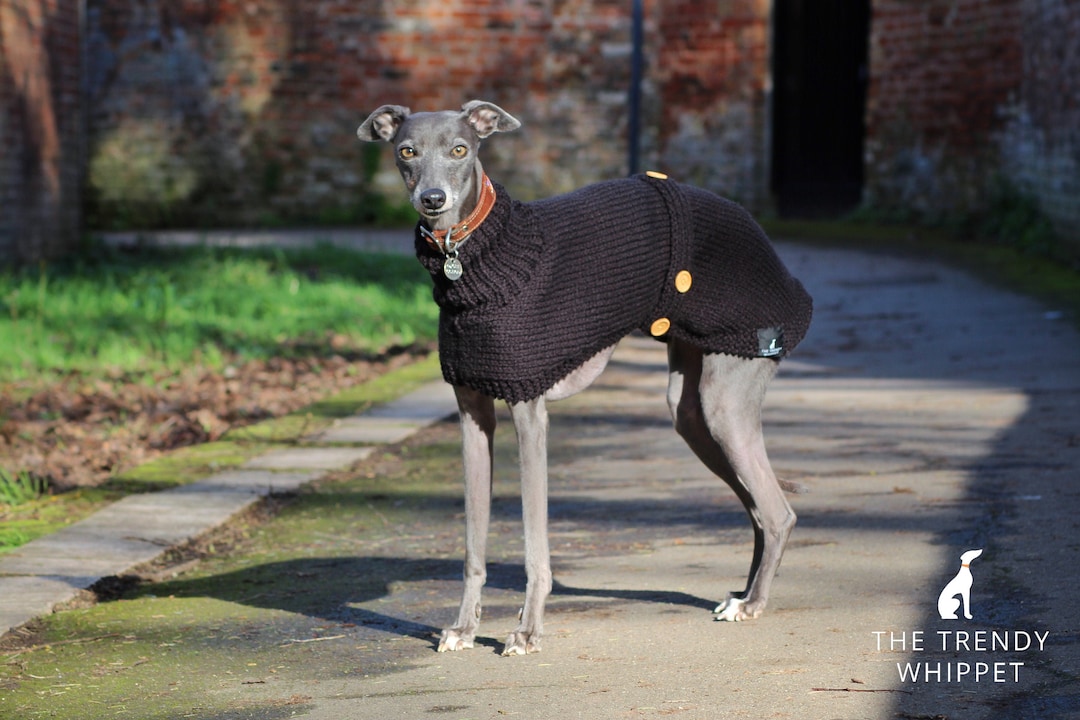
216	112
40	128
942	72
211	111
711	66
965	94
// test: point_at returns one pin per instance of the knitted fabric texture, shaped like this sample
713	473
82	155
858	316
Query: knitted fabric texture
548	284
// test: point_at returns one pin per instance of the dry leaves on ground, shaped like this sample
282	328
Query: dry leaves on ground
78	432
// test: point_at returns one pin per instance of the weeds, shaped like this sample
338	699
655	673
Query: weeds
12	538
1006	216
20	489
1014	219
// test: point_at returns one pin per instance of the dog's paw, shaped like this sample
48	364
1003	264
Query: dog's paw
521	643
452	641
730	610
735	609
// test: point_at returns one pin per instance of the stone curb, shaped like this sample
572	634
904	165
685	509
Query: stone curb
51	570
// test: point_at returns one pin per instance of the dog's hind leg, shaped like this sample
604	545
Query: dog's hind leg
477	431
531	425
716	404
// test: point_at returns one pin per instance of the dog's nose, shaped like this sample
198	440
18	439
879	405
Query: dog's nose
432	199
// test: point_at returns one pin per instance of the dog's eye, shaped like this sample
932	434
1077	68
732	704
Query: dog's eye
459	151
407	152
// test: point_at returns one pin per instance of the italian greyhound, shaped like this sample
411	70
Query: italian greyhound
715	399
958	590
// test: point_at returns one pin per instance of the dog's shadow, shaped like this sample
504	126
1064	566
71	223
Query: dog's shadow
337	588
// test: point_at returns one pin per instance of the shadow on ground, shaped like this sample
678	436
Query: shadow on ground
337	589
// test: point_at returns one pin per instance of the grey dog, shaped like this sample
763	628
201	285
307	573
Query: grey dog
533	298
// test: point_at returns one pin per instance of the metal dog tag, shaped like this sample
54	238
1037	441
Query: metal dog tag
452	268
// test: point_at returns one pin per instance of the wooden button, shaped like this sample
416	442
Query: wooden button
659	327
657	175
683	281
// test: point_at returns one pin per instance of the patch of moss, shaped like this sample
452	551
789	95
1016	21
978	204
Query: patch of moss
48	514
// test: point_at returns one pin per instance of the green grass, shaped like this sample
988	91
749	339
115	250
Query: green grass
108	311
20	488
17	491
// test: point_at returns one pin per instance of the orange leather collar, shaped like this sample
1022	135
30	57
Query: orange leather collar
437	238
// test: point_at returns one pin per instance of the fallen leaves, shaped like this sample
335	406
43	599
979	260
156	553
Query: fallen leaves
78	432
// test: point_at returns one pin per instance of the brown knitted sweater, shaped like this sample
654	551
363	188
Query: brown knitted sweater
548	284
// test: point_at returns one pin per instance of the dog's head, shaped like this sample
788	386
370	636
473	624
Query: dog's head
969	556
436	153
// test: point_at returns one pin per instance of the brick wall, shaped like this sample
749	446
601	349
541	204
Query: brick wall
942	72
711	66
966	94
40	128
209	112
264	98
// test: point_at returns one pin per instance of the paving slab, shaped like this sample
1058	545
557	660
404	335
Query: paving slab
321	458
393	422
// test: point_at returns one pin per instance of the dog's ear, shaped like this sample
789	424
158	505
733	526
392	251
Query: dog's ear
382	124
487	118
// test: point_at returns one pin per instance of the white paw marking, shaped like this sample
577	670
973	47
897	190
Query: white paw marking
453	643
520	643
730	610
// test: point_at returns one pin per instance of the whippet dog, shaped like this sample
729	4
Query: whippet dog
715	398
958	590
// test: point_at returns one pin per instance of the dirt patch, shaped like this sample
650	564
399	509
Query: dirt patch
79	431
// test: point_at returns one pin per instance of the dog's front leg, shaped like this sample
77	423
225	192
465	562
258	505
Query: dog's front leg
531	425
477	434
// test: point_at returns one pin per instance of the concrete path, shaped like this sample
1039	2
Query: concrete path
926	414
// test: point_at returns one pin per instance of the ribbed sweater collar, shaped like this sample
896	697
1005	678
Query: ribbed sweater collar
498	259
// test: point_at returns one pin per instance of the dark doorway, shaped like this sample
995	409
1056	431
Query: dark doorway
819	96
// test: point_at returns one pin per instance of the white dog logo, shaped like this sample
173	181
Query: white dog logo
948	602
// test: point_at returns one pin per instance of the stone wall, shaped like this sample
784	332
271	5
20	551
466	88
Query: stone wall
218	112
221	113
710	66
942	73
1040	142
968	96
41	129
